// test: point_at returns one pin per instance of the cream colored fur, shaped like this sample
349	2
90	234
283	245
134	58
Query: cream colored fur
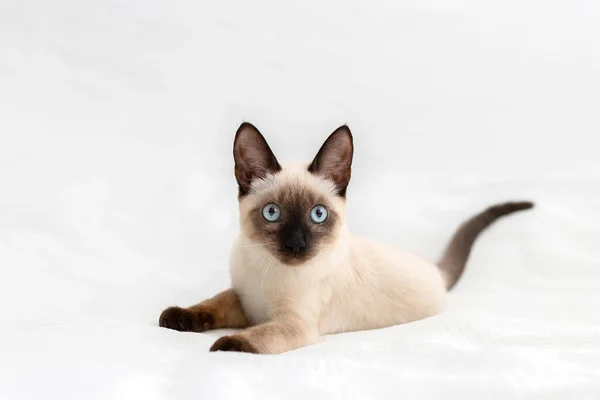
352	284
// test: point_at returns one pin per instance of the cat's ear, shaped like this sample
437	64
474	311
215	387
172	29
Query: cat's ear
253	157
334	159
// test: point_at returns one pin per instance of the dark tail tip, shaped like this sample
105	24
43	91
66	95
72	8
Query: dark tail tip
500	210
457	253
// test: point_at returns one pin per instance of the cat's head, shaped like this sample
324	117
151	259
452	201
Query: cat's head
295	212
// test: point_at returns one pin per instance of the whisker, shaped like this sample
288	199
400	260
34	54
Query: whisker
262	280
255	245
247	265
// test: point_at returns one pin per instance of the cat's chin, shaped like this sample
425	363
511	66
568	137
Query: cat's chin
294	260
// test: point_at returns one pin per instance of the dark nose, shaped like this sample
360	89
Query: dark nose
296	242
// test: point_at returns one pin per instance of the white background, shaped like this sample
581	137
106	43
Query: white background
117	195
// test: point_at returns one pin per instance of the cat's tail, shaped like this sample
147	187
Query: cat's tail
457	252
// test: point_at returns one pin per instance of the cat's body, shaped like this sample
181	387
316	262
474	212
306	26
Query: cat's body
297	272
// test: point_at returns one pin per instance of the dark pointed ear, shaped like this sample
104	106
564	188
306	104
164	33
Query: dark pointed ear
334	159
253	157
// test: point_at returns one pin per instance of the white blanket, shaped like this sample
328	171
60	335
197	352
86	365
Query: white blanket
118	198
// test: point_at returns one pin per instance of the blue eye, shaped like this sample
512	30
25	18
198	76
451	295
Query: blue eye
318	214
271	212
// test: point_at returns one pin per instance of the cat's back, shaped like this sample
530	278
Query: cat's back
386	261
371	251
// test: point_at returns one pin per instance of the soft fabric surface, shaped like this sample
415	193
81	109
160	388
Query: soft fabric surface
118	197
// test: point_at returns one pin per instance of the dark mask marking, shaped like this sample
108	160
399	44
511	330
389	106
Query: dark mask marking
294	238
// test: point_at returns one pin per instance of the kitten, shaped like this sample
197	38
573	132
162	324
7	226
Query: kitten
297	272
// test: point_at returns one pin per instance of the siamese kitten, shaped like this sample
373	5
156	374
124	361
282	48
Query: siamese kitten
297	272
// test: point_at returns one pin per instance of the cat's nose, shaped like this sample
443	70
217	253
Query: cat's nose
296	242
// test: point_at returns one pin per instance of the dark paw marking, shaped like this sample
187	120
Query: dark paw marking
233	343
185	320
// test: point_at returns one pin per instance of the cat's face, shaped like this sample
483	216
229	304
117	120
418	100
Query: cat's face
295	212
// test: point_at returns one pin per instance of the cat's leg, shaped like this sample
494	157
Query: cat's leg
274	337
221	311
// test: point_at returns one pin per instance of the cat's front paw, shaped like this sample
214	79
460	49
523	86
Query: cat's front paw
233	343
184	320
